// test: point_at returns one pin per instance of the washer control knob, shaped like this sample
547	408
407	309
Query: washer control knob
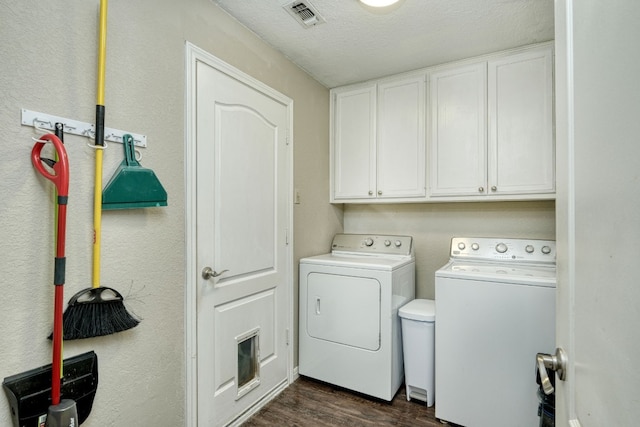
529	249
368	241
501	248
546	250
461	246
387	243
475	246
398	243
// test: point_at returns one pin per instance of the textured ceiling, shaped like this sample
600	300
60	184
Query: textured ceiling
358	43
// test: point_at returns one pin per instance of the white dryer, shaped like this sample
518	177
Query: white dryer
349	300
495	302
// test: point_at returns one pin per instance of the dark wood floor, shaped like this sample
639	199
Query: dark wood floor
307	402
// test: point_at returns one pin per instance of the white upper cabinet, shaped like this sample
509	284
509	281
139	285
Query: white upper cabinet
378	141
401	139
354	134
458	111
484	132
491	128
521	140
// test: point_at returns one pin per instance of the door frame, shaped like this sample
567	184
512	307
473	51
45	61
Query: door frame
193	55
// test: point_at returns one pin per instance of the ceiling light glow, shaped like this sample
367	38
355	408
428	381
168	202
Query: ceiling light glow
379	3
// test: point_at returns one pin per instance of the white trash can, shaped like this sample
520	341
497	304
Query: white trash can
418	319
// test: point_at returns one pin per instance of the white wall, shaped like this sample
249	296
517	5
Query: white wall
48	57
433	225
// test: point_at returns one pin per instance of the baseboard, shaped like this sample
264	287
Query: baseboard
259	405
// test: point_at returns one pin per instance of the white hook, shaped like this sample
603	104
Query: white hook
41	129
89	134
97	147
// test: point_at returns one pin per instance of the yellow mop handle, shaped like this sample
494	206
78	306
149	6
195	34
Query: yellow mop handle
97	190
102	49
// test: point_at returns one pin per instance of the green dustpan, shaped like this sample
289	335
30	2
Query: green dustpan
132	186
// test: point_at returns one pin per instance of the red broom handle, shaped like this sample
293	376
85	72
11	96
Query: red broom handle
56	366
60	178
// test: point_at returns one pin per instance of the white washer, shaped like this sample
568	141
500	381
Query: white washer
495	301
349	300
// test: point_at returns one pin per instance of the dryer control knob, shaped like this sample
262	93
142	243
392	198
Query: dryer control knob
546	250
368	241
501	248
529	249
387	242
475	246
398	243
461	246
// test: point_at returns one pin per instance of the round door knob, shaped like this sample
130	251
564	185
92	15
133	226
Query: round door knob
481	189
501	248
370	193
379	192
494	188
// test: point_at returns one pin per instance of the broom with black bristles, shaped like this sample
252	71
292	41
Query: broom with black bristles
98	310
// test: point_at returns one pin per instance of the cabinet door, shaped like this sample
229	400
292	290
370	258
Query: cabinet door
458	131
521	143
353	145
401	139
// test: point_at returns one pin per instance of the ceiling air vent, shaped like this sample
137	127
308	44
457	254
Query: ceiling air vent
304	12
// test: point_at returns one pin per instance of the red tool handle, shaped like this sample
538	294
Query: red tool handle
61	168
61	180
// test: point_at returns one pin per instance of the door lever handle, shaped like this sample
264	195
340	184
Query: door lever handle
209	273
556	362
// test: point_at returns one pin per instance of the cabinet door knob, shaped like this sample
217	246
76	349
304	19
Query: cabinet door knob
370	193
494	188
379	192
481	189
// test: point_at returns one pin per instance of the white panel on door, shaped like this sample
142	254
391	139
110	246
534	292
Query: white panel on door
354	143
458	130
246	144
232	322
521	126
344	310
401	143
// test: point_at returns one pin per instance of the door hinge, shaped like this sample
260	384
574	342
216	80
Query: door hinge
286	236
287	338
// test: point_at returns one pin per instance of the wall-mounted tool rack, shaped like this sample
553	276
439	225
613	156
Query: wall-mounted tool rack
75	127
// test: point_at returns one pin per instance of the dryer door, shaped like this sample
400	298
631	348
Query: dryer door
344	309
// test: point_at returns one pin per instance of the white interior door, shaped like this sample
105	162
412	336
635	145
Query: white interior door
598	205
242	223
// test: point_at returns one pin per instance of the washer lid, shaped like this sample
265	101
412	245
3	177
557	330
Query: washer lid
501	273
423	310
